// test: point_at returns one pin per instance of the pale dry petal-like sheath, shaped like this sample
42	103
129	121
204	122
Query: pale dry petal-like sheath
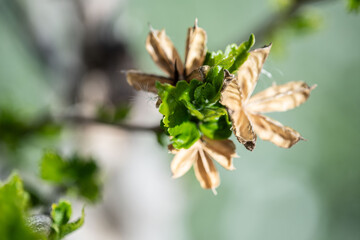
231	99
163	52
273	131
223	151
145	82
183	160
279	98
244	111
200	155
249	72
195	50
206	172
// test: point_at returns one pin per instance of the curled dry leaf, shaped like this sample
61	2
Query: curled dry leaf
200	155
195	50
165	55
199	73
245	111
145	82
163	52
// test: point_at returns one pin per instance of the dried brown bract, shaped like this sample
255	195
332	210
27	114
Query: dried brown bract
200	155
165	55
246	112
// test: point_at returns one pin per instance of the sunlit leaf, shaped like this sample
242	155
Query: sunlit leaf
218	129
184	135
14	202
233	56
61	226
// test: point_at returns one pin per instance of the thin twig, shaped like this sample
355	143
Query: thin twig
123	126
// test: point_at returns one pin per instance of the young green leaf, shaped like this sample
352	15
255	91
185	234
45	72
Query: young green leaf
218	129
214	113
61	214
73	226
213	58
233	57
184	135
171	107
205	94
13	211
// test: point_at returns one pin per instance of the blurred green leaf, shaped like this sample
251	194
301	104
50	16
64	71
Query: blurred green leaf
52	167
306	21
14	202
61	214
76	174
282	5
353	5
113	114
161	138
15	128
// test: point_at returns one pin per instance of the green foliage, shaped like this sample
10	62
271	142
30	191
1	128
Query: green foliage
177	108
282	5
15	129
306	21
233	56
75	174
60	215
217	129
353	5
302	22
184	135
14	202
192	109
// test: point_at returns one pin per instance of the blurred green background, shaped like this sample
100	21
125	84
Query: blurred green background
308	192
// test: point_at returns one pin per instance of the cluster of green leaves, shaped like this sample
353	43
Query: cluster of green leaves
192	109
15	223
75	174
60	215
233	56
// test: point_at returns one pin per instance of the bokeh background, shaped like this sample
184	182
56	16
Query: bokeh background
62	56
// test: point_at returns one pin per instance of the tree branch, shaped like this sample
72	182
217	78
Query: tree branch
123	126
280	18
